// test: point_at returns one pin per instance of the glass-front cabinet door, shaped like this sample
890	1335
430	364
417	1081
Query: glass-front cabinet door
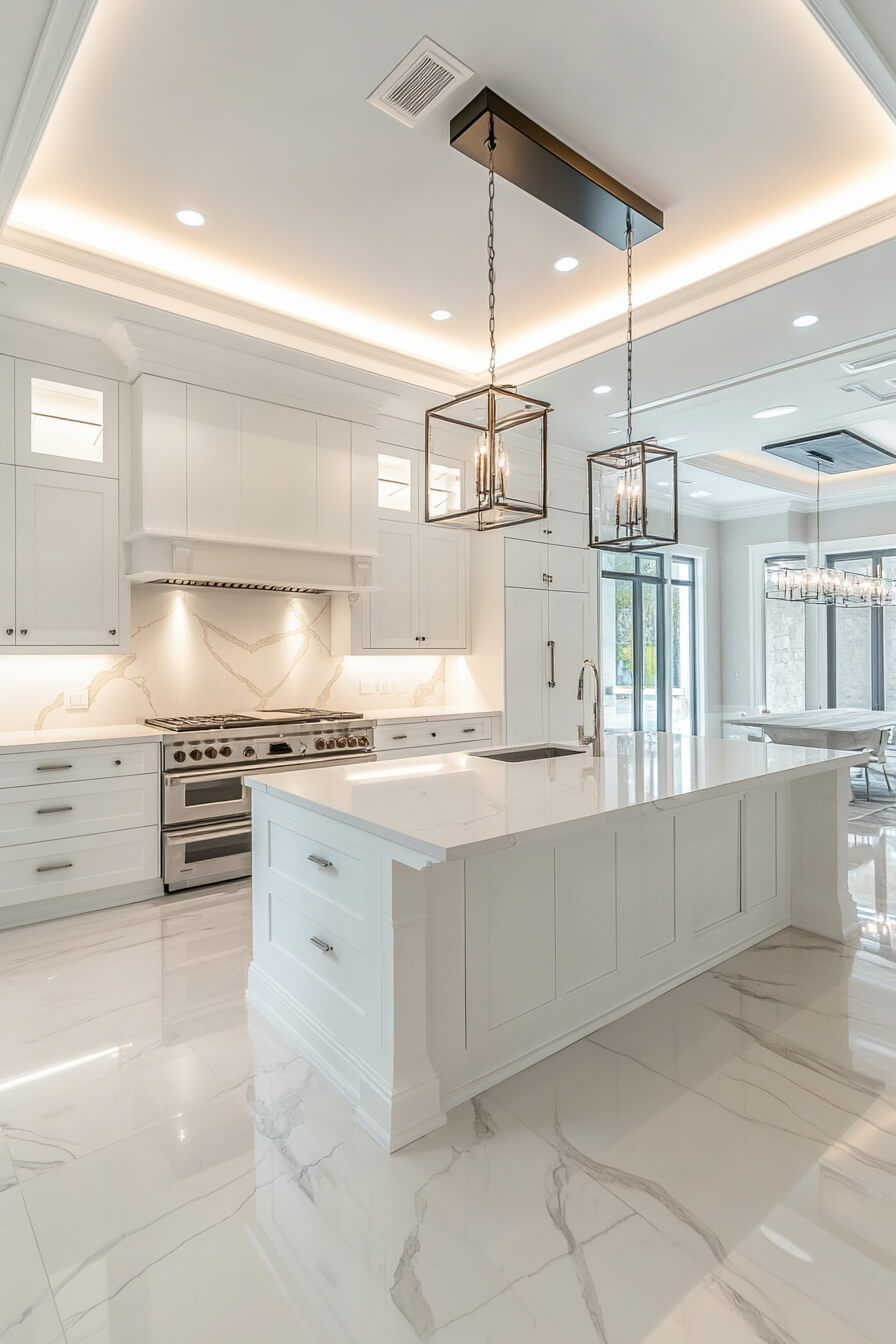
400	484
66	421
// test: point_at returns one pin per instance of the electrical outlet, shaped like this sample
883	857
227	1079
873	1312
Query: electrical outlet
368	686
76	697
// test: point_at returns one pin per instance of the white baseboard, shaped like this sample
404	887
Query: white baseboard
81	903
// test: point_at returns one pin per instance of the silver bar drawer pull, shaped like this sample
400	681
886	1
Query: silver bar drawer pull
469	730
321	863
45	811
399	737
324	947
54	767
53	867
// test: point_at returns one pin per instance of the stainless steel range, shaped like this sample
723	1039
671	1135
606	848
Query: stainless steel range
206	822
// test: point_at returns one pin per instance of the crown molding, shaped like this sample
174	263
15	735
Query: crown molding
853	233
233	368
88	270
63	29
848	35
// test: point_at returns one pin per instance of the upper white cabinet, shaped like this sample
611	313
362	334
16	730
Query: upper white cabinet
7	411
420	602
212	465
7	554
66	561
65	421
401	484
529	564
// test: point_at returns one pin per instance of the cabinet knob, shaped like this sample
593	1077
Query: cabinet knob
23	632
113	632
10	630
116	762
423	639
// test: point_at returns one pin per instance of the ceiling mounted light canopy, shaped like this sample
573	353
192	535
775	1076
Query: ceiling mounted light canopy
633	486
493	437
818	586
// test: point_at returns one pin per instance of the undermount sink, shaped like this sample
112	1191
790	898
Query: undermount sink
544	752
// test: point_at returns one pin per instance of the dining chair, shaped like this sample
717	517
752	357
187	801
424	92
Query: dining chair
879	757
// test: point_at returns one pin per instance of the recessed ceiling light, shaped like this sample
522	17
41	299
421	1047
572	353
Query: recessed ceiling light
440	314
807	320
191	218
602	389
566	263
773	412
700	494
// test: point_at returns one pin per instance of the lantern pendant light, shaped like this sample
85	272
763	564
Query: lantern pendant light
632	488
492	443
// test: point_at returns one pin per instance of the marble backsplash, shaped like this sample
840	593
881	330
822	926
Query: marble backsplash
212	650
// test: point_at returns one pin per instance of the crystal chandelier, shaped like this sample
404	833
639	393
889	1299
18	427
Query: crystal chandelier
632	488
827	587
499	437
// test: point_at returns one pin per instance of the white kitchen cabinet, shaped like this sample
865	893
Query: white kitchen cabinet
420	602
546	639
217	466
7	410
530	564
7	554
67	560
65	421
401	484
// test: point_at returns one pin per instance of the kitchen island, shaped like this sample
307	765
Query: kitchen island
426	928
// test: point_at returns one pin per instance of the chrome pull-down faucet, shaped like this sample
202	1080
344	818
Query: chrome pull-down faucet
596	739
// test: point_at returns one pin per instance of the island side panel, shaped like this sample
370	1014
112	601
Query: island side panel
559	938
819	856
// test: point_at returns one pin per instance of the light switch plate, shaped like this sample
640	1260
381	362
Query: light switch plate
76	697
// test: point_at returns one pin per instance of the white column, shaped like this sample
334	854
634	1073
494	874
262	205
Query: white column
821	901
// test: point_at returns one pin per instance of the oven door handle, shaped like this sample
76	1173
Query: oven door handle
230	772
187	835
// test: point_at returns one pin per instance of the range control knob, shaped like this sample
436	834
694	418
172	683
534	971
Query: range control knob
180	756
195	754
320	744
353	741
363	742
248	751
331	744
343	742
227	751
211	752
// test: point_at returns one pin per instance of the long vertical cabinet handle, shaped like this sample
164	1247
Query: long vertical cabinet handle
551	682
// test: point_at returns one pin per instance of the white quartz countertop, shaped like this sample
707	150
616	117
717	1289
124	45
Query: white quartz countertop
452	806
26	739
430	712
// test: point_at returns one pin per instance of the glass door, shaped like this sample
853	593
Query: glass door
633	643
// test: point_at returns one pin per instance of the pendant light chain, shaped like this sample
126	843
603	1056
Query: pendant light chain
628	258
491	250
818	514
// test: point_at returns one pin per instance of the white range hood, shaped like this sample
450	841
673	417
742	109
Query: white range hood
186	562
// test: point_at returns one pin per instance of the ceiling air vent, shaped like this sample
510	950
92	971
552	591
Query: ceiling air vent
835	452
873	362
425	76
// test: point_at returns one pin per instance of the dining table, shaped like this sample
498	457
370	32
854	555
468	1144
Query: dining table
834	729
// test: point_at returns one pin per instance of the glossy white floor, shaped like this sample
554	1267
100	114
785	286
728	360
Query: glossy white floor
718	1166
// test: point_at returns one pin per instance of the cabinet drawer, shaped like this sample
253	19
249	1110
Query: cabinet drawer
85	863
57	764
403	736
60	810
334	886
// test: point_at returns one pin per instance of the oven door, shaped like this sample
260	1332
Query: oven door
191	858
190	797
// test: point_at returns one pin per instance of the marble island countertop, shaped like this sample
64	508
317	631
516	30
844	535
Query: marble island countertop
452	806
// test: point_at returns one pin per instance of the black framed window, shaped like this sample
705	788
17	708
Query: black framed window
648	649
861	643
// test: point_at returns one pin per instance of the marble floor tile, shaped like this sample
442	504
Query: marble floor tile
27	1308
719	1165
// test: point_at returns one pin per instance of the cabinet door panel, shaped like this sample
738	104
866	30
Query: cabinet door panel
160	445
334	484
443	578
7	555
760	846
65	421
393	610
66	559
586	908
526	665
7	416
278	474
568	628
213	463
708	861
525	564
645	885
568	568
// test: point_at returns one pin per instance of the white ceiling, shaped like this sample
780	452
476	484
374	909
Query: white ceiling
324	210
